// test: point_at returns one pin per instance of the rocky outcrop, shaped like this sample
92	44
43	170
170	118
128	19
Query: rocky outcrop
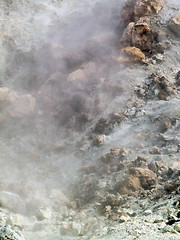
7	233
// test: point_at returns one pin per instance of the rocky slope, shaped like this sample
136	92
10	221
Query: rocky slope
89	120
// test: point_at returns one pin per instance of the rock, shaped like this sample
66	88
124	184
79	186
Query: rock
148	212
177	227
128	184
168	229
7	233
123	217
145	8
21	105
155	150
70	229
147	178
141	8
158	220
156	5
138	35
127	14
163	95
178	78
133	10
88	169
112	201
101	125
44	213
158	57
77	75
15	105
11	201
3	94
90	226
131	54
99	140
17	220
175	24
140	162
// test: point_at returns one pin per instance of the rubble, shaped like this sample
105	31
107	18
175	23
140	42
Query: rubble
7	233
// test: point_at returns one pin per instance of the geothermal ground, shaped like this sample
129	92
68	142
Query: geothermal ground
89	120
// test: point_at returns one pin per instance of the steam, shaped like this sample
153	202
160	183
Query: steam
58	52
63	54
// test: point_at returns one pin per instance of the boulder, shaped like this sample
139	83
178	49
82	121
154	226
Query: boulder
146	8
99	140
139	35
14	104
131	54
175	24
147	177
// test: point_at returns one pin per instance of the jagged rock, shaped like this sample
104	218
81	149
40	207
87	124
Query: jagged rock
177	227
44	213
155	150
99	140
7	233
112	200
101	125
140	162
124	217
131	54
70	229
164	88
175	24
128	184
14	104
147	177
178	78
145	7
139	35
83	73
133	10
127	14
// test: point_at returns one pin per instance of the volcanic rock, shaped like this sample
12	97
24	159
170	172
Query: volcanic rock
147	177
146	8
131	54
139	35
7	233
175	24
99	140
124	217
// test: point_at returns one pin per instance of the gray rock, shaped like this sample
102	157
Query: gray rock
7	233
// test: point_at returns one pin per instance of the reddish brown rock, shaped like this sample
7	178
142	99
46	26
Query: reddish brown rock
139	35
131	54
175	24
99	140
144	8
147	177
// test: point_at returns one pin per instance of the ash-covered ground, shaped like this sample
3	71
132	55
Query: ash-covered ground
90	119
